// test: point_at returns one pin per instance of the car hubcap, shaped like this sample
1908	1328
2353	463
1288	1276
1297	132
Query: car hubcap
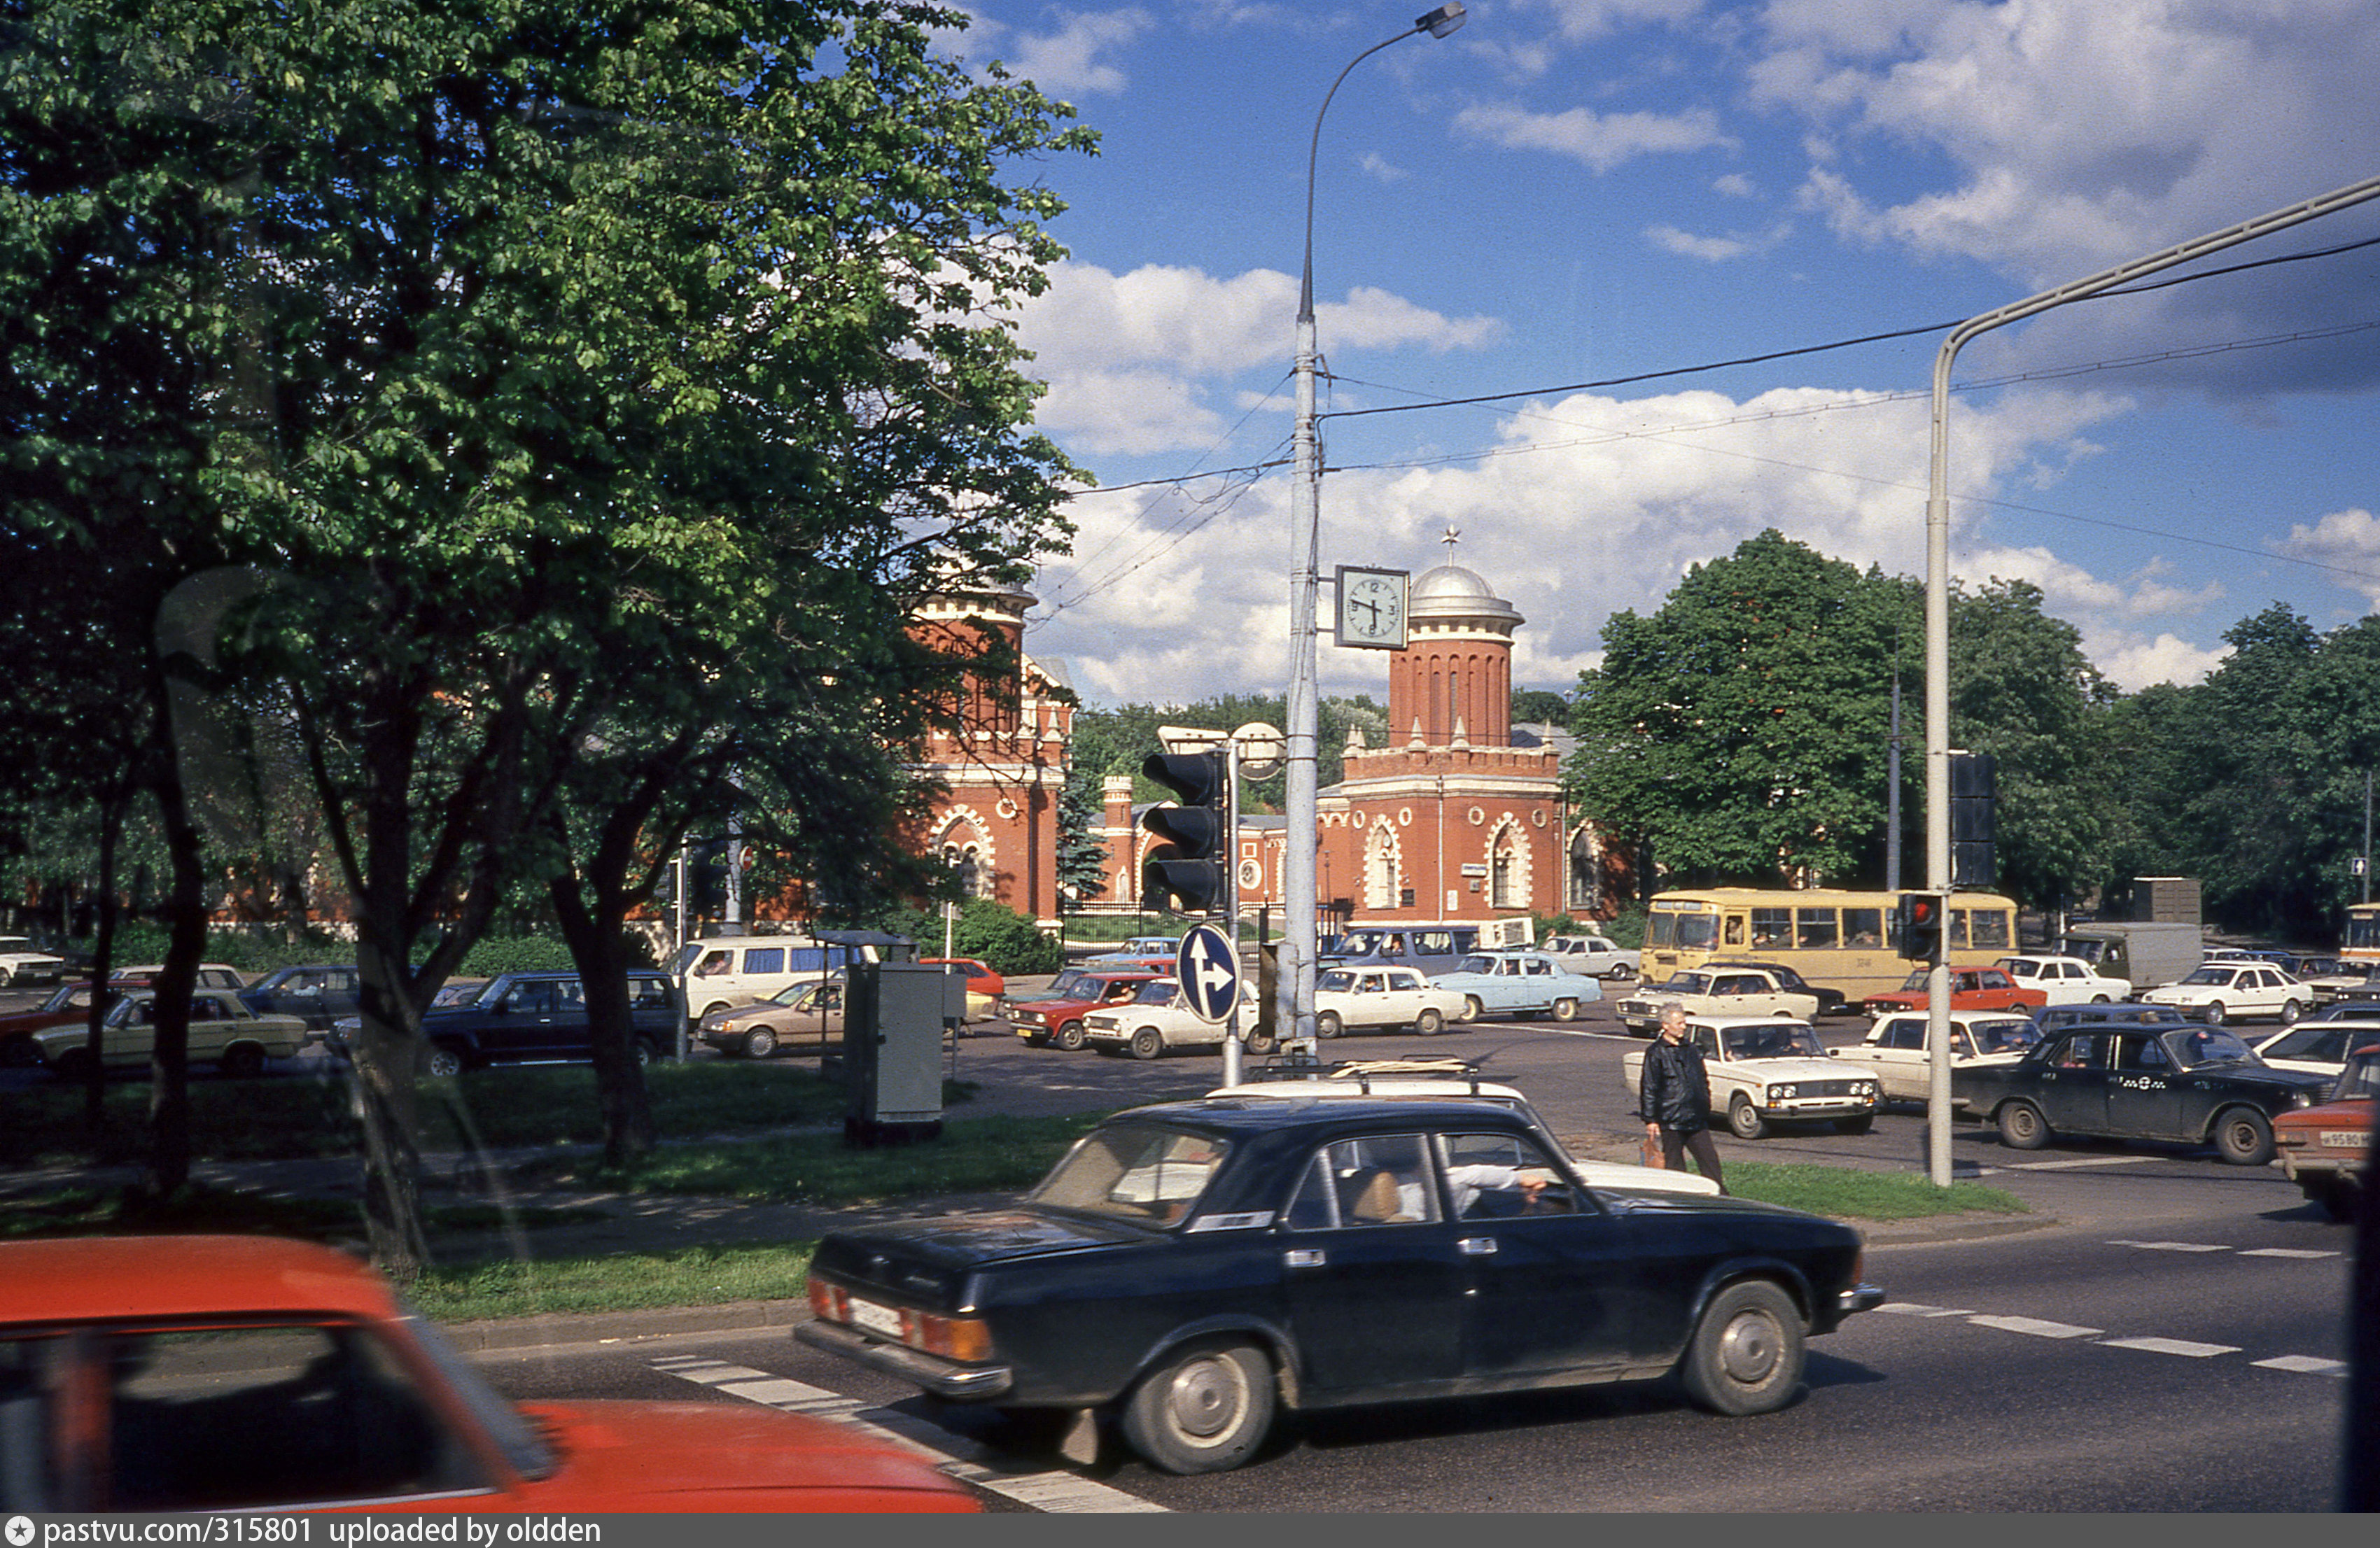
1748	1353
1206	1399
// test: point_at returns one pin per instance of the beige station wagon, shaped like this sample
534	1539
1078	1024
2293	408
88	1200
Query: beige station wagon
1717	991
222	1032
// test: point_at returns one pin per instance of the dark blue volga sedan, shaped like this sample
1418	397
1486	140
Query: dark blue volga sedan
1188	1269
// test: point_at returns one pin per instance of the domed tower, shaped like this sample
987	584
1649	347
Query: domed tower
1453	679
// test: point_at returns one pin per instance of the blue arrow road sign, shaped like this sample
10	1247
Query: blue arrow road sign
1209	971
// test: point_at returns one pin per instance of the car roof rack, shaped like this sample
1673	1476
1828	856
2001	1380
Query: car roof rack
1364	1071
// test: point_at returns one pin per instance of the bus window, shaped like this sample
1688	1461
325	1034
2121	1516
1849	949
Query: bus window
1662	931
1734	929
1991	931
1957	933
1813	929
1862	927
2363	930
1772	928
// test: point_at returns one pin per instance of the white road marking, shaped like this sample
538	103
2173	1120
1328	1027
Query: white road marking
2171	1346
2078	1161
2037	1327
2289	1253
2172	1246
1912	1309
955	1454
2305	1364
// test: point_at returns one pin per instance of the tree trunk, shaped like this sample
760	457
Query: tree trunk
599	950
169	1090
387	1054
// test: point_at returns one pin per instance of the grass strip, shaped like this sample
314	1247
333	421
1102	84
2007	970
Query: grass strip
1843	1193
615	1282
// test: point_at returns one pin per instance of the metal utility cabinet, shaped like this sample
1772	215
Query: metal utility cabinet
892	1048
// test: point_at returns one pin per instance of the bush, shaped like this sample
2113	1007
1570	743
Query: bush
495	954
987	930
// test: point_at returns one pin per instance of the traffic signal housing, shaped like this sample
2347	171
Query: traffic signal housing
1975	800
1188	871
1919	916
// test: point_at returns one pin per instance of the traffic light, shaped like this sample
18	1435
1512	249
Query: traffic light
1919	917
1974	796
1189	870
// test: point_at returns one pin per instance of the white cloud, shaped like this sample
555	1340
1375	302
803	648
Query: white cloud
1715	249
2347	542
1131	358
1735	185
1381	170
2131	664
1600	141
1073	58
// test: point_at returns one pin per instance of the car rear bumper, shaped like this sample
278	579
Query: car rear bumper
943	1378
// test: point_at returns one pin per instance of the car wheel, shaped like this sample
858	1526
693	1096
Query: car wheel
713	1008
442	1063
1743	1120
2098	999
2022	1127
1070	1036
2215	1012
1328	1024
758	1043
1147	1043
2243	1137
20	1053
1565	1010
1430	1022
1746	1354
2290	1011
1261	1042
1859	1125
1620	973
243	1061
644	1053
1204	1410
1472	1009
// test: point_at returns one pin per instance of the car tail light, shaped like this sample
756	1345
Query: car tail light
827	1303
951	1337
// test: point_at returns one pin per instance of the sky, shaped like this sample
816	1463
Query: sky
1570	192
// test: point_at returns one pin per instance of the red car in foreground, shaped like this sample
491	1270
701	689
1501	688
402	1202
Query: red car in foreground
1972	988
207	1373
2326	1149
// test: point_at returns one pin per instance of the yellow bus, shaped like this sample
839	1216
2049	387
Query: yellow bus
2361	941
1845	940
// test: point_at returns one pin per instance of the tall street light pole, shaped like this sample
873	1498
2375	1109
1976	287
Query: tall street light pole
1294	1001
1937	596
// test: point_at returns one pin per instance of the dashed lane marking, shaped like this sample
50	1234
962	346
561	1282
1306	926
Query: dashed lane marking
1912	1308
2037	1327
955	1454
2186	1347
2173	1246
2290	1252
2171	1346
2309	1365
2078	1162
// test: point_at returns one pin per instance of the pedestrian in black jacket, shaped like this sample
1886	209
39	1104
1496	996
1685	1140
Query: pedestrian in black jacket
1674	1098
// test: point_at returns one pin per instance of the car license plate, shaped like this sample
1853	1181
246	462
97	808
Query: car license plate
2346	1139
875	1318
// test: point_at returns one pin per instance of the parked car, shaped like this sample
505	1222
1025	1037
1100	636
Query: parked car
222	1032
1714	991
1895	1047
987	991
1526	982
2065	980
1439	1079
1596	956
189	1374
2326	1149
1192	1267
1384	999
23	963
2333	978
1056	1014
743	970
2120	1013
68	1005
2217	992
1972	988
318	995
2188	1085
1770	1070
1140	954
2318	1046
540	1018
807	1018
1158	1020
212	975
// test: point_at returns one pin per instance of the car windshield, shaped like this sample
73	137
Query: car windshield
793	994
70	996
1066	985
2361	1078
1338	981
1150	1173
1158	992
2209	975
1687	984
2201	1047
1477	964
1915	981
2011	1036
1362	943
1772	1040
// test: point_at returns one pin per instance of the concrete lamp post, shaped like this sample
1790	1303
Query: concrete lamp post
1293	1003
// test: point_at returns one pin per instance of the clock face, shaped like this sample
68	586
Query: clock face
1371	608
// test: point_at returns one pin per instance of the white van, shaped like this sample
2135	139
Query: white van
740	970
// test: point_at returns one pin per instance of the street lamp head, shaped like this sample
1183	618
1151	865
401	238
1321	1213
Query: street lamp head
1441	21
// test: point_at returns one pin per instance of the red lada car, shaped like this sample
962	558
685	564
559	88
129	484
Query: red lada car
212	1373
1972	988
1055	1015
2326	1149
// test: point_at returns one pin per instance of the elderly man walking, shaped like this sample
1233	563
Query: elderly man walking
1674	1098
